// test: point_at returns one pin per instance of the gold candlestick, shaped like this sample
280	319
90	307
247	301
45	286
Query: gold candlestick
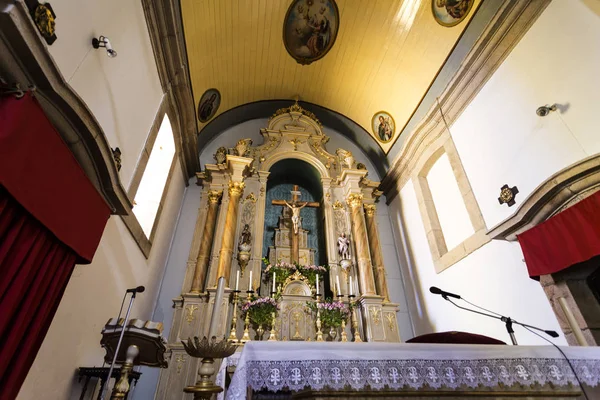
354	319
273	334
233	334
246	337
319	333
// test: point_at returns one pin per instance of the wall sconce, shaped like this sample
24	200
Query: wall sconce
103	41
545	110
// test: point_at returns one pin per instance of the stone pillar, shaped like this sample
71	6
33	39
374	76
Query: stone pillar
199	278
376	255
236	189
365	268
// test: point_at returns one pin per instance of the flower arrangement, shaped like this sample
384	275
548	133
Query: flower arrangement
283	270
261	310
332	312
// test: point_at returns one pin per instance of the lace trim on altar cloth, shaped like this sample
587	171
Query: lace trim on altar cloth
415	374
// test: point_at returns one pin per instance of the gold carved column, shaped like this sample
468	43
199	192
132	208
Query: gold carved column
236	189
376	255
206	241
365	269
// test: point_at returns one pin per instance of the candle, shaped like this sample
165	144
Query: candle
216	313
350	285
237	280
317	284
274	280
337	284
250	282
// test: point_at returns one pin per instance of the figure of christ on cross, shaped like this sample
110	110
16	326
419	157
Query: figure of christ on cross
295	206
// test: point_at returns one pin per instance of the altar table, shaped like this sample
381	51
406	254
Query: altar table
327	366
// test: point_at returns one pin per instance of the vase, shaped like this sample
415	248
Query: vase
332	333
260	332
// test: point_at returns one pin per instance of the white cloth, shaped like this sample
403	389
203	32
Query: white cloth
296	365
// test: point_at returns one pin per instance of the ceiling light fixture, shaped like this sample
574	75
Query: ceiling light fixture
545	110
103	41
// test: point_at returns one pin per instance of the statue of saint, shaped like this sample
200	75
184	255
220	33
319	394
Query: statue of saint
296	215
344	247
246	236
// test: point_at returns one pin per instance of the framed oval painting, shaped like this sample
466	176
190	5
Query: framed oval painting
383	126
450	12
310	28
209	104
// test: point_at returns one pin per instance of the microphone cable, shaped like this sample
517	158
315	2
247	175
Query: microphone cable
566	358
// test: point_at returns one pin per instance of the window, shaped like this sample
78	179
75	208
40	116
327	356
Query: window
150	191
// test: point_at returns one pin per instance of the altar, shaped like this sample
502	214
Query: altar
341	370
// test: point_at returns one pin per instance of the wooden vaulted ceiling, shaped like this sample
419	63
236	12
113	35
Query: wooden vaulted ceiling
386	55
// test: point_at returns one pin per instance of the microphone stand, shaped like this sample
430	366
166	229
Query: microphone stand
508	322
112	364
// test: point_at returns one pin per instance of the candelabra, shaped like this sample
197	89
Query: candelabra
233	334
246	337
273	332
319	333
344	336
354	318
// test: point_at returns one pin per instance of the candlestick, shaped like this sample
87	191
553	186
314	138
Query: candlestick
319	333
233	333
344	334
273	333
216	315
237	280
354	319
317	286
246	337
350	292
250	282
274	280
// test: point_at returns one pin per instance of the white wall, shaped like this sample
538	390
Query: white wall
94	294
500	138
123	93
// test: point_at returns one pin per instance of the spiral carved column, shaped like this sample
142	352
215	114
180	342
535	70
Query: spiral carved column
365	268
236	189
376	255
206	243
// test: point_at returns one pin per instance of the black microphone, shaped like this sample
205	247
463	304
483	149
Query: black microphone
551	333
138	289
436	290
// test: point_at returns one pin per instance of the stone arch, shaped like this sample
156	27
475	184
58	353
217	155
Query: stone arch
308	158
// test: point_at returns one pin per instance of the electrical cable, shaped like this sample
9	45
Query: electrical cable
484	309
566	358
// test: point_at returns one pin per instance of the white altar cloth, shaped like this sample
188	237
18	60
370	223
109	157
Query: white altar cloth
316	365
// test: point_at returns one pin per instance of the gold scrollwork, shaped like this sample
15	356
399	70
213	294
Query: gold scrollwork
296	108
296	276
180	360
236	188
355	199
251	197
214	196
390	321
191	316
375	315
295	142
338	205
370	209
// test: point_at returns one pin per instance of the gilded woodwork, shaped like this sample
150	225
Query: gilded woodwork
190	313
354	200
236	188
198	280
375	249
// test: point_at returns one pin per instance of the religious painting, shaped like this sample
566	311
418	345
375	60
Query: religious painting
383	126
310	28
450	12
209	104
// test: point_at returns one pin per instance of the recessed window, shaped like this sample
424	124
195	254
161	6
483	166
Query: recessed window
149	193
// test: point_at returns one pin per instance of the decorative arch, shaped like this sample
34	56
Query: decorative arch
308	158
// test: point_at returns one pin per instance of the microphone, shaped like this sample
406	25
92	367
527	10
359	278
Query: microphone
552	334
138	289
436	290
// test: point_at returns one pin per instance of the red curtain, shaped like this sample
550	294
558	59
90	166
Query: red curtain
568	238
35	268
51	217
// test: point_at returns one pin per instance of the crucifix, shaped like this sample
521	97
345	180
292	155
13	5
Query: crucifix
295	206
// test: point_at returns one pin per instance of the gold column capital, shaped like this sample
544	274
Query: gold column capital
370	209
354	199
214	196
236	188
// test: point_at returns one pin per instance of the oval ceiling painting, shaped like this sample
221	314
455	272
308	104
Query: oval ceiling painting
209	104
450	12
310	29
383	126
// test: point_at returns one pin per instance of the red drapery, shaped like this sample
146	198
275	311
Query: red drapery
568	238
51	217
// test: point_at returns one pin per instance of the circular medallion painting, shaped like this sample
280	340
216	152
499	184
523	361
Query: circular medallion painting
209	104
310	28
383	126
450	12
